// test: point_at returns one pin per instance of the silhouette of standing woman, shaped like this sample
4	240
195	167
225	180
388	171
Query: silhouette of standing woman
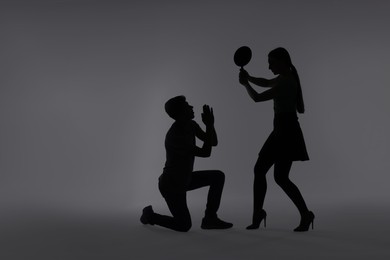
285	143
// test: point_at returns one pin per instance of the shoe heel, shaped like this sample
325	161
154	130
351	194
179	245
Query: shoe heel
306	221
257	219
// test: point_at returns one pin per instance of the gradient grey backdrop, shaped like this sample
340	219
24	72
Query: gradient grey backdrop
83	84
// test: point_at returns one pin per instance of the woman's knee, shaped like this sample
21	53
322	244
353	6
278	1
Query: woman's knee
281	174
281	180
263	164
260	170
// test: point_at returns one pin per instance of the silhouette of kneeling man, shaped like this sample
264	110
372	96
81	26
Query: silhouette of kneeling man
178	176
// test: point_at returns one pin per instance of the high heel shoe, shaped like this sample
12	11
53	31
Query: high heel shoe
257	218
306	220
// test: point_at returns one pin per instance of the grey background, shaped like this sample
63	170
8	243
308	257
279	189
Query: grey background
82	89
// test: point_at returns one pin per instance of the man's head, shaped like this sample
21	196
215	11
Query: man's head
179	109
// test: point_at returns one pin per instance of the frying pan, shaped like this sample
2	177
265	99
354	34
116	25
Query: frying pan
242	56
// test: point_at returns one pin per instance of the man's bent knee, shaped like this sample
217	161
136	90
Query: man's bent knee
220	175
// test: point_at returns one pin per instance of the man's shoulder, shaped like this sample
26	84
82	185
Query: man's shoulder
186	127
177	129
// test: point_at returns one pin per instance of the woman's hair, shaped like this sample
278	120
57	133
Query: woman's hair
283	55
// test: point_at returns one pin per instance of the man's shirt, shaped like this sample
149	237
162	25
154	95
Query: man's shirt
180	148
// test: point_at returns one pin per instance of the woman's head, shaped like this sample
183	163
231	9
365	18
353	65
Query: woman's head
279	61
280	54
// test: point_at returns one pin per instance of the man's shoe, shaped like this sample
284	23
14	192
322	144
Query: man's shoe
147	214
215	223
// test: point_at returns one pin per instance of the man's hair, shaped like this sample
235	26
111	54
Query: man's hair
174	105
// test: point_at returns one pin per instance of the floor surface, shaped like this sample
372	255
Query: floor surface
344	232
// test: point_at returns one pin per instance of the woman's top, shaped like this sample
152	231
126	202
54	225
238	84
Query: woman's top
286	94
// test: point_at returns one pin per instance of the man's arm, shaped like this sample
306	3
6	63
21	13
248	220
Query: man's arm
199	133
204	151
209	137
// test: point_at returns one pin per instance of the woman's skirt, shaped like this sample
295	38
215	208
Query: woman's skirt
286	141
